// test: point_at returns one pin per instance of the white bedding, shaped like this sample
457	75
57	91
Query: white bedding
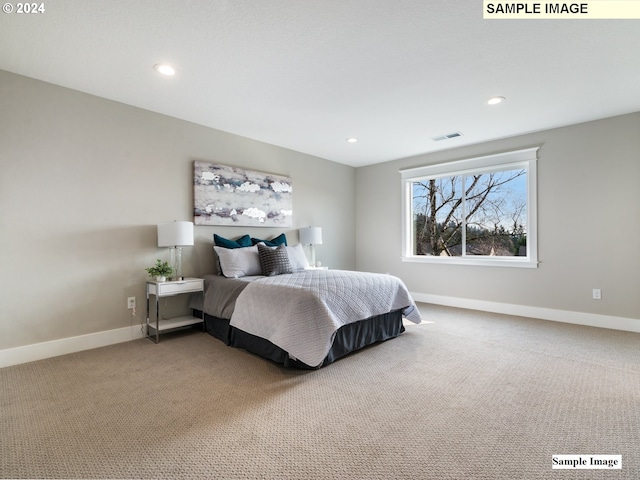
301	312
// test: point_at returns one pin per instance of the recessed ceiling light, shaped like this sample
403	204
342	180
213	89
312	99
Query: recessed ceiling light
352	140
495	100
164	69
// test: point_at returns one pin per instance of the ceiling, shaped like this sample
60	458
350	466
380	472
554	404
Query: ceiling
306	75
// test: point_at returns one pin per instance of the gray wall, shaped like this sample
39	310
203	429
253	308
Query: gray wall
588	223
83	183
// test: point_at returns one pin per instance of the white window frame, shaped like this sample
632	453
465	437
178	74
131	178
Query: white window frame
517	159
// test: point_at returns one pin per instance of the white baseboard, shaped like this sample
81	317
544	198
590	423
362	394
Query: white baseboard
63	346
565	316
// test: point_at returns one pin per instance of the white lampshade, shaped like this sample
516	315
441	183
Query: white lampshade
175	234
310	235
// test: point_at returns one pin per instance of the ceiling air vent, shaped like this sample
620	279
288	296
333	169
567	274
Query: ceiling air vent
446	137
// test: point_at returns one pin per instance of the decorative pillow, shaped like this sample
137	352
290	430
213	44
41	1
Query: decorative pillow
297	258
244	241
274	261
279	240
238	262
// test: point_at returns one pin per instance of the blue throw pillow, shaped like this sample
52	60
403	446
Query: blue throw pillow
244	241
274	242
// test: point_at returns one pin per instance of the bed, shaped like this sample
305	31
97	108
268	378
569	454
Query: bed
295	315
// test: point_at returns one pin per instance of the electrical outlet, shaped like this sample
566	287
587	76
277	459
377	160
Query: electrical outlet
597	294
131	303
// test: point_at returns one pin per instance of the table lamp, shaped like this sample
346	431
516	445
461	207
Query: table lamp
175	235
311	236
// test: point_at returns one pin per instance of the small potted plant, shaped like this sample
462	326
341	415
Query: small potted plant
160	271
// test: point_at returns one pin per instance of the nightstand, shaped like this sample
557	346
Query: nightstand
170	289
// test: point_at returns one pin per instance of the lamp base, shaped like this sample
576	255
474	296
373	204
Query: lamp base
312	251
176	262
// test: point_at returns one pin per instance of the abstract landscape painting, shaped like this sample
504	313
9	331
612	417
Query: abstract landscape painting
232	196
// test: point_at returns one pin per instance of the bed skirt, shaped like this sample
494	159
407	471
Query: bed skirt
349	338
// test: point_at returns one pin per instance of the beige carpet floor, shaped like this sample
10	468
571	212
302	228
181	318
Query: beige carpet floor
470	396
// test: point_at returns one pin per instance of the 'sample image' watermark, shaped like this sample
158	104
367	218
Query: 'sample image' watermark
586	462
586	10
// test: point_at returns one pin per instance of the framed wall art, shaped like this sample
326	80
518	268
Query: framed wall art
232	196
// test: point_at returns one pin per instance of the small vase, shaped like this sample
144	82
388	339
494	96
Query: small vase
161	278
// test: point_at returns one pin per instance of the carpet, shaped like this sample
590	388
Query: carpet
472	395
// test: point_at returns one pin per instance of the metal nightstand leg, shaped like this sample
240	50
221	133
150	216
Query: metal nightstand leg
157	320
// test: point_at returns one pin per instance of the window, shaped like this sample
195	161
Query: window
479	211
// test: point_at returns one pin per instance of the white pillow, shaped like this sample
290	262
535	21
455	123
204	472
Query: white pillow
239	262
297	258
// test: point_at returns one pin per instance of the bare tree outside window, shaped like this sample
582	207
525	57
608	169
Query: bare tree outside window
478	211
481	214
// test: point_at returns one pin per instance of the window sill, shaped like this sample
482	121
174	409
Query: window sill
517	262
